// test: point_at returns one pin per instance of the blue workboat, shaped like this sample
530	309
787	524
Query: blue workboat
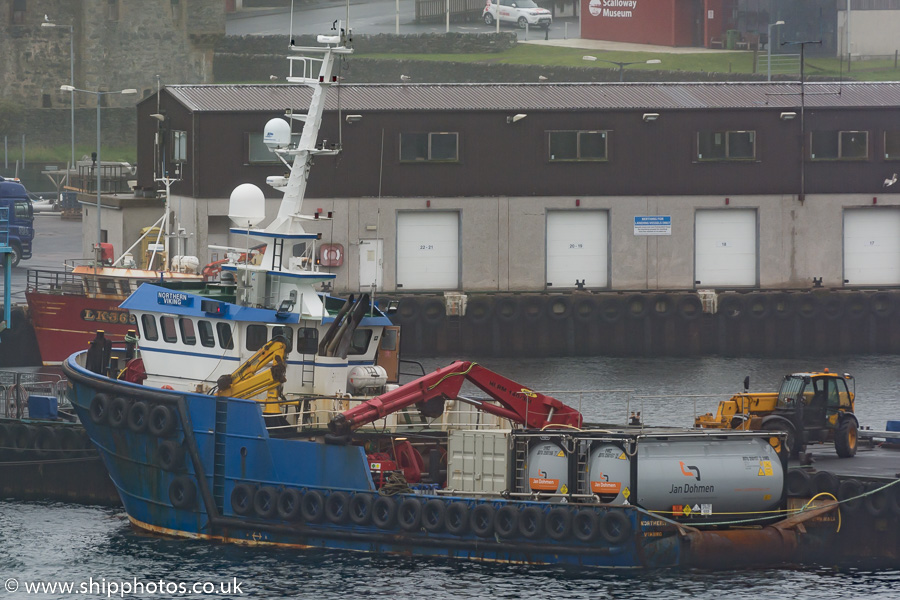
276	419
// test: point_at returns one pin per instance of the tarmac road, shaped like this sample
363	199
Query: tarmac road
55	240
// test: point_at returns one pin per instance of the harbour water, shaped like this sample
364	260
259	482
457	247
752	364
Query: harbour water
96	551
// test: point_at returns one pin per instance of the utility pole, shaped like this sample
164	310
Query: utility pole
802	45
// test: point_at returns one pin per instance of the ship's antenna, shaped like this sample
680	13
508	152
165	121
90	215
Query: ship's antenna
291	26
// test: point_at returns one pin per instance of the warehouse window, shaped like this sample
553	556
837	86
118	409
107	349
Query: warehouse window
18	12
429	147
179	146
892	145
840	145
726	145
112	10
259	153
578	145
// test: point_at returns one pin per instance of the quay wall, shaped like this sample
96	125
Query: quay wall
819	322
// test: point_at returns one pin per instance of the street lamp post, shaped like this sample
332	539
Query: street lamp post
769	49
69	88
71	83
802	45
622	65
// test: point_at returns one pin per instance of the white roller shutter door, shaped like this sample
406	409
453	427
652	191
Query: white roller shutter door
725	248
872	246
428	250
577	248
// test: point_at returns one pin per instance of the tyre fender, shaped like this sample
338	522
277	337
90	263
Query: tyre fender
458	518
434	516
825	482
433	311
99	408
586	525
533	307
849	491
663	305
559	307
758	306
833	306
797	483
384	512
360	509
507	309
558	523
312	506
882	304
482	520
730	306
409	514
161	422
877	503
615	527
138	416
479	310
611	309
170	455
408	309
182	492
289	504
506	523
46	442
531	522
782	305
689	307
23	437
808	306
265	502
337	507
585	309
242	499
118	412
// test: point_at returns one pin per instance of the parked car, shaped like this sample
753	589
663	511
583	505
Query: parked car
521	12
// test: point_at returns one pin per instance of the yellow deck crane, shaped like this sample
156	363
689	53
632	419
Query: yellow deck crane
262	372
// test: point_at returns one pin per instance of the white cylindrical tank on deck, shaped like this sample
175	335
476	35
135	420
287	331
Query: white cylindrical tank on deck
366	377
708	476
548	468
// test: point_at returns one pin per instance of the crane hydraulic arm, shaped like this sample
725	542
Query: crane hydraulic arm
516	402
262	372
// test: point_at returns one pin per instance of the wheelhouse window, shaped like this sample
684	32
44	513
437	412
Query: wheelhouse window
148	324
259	153
226	339
839	145
429	147
256	337
167	324
179	146
892	145
188	334
108	286
286	333
359	343
726	145
207	338
578	145
307	340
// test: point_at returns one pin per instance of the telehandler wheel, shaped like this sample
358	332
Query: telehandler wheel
845	438
788	448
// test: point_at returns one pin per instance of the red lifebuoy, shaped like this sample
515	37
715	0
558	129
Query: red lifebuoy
331	255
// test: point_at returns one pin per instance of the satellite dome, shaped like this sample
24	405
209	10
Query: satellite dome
277	134
247	205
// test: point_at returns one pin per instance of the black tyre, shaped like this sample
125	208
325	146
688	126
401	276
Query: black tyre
586	525
506	524
846	438
337	508
878	502
265	502
46	442
434	311
384	512
533	307
170	455
162	421
731	306
849	492
690	307
559	307
798	484
434	516
615	527
531	522
138	416
242	499
758	306
23	438
289	504
409	514
782	305
479	310
458	518
99	408
69	442
182	492
118	412
312	506
663	305
482	520
585	310
361	509
825	482
488	19
6	441
15	254
611	309
558	523
523	22
507	309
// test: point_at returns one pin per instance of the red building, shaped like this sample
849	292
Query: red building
700	23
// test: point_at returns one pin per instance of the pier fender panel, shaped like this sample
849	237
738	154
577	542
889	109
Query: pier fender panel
808	306
531	522
46	442
138	416
408	309
289	504
478	309
360	509
265	502
506	524
663	305
533	307
585	309
558	523
833	306
782	305
559	307
849	492
182	492
857	306
689	307
433	311
758	306
312	506
434	516
458	518
409	514
337	507
118	412
797	483
384	512
99	408
615	527
586	525
877	503
611	309
162	421
731	306
242	499
637	306
507	309
23	437
6	440
825	482
482	520
170	455
882	304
